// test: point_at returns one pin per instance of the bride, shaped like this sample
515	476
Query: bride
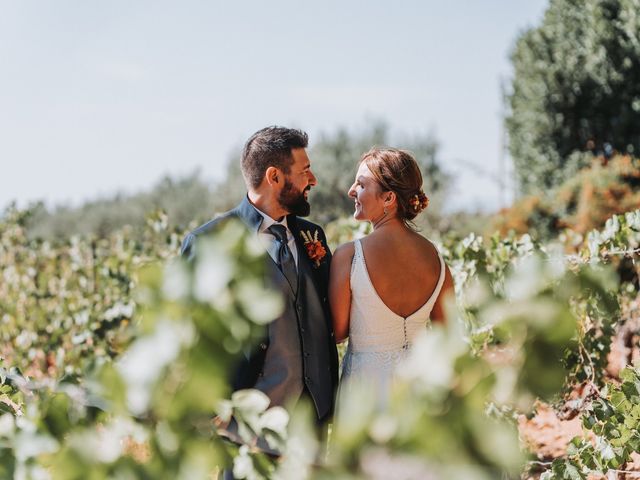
389	286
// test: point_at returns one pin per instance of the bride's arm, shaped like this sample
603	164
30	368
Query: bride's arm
340	290
447	294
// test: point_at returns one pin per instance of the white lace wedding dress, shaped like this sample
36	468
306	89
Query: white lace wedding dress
378	338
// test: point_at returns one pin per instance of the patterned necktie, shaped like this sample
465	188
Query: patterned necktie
285	257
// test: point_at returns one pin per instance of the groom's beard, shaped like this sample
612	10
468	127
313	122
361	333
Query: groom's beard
292	200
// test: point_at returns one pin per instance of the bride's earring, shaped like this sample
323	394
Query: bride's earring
385	207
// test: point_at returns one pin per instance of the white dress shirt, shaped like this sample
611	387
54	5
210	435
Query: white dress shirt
267	238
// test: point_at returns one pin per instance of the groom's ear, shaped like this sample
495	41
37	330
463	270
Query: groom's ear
273	176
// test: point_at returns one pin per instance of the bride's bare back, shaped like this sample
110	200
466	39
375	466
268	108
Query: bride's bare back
404	268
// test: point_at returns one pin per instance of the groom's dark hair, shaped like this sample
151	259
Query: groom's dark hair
270	147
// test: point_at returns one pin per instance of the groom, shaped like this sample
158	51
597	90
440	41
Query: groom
298	356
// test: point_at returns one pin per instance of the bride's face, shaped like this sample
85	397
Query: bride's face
366	193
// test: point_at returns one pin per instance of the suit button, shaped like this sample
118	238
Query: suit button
307	379
301	329
263	346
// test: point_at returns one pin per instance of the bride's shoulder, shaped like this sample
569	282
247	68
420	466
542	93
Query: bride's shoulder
425	243
344	253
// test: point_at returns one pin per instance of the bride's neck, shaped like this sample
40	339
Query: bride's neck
385	221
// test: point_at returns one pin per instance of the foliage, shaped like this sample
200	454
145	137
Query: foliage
613	418
581	203
148	414
533	322
64	307
576	87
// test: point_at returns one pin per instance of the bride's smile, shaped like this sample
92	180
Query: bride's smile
366	195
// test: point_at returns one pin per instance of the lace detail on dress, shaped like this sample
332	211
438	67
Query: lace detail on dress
358	362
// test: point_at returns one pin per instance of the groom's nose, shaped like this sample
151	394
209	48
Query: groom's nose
312	179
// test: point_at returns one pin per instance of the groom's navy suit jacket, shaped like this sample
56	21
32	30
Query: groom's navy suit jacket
298	353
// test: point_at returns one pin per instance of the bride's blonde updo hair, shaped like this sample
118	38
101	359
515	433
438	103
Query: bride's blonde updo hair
397	171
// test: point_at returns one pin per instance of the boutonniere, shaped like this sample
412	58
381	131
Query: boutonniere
315	249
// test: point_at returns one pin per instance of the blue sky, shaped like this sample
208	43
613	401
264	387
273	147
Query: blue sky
99	97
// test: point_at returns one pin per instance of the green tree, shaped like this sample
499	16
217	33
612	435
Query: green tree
576	87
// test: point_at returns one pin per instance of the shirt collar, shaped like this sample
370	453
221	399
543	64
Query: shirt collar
268	221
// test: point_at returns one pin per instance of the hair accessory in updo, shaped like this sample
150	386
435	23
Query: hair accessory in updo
419	202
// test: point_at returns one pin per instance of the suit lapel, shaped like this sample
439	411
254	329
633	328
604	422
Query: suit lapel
253	220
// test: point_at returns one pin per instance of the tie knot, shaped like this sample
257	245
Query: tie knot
279	231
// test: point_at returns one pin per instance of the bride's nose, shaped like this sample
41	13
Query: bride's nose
352	191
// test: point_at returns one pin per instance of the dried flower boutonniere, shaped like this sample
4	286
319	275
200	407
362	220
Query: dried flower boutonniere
315	249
